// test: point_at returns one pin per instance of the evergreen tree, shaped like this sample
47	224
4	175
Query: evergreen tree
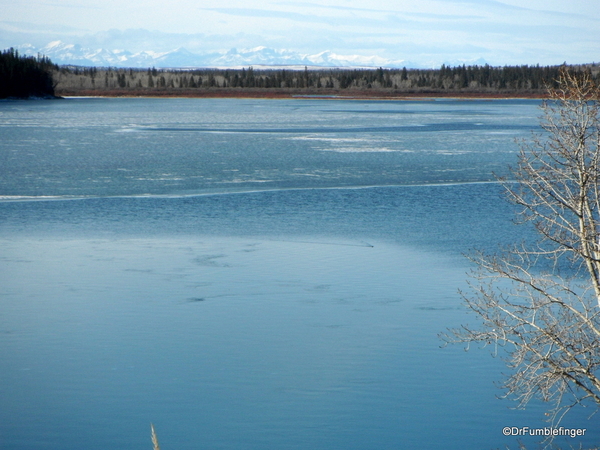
25	76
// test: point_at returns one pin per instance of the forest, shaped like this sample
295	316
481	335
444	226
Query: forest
511	81
25	76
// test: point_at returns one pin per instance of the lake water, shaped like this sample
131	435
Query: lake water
251	274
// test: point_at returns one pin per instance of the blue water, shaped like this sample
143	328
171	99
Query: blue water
99	147
251	274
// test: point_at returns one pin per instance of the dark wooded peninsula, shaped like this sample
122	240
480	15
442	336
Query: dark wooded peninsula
25	76
22	77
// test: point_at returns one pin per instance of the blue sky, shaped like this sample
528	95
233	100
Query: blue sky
499	31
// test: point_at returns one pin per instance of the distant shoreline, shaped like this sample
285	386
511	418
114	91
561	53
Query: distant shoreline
298	94
394	84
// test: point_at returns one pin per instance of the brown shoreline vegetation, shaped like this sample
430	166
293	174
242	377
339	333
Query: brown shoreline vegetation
473	82
283	93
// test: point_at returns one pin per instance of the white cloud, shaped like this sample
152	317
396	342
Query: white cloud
501	31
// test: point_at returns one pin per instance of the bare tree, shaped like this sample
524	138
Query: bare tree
541	303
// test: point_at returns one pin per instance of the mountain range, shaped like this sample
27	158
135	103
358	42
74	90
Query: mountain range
74	54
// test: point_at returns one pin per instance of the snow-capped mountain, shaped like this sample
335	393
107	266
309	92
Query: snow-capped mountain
61	53
328	58
74	54
262	56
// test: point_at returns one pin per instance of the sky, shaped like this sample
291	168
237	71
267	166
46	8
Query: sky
501	32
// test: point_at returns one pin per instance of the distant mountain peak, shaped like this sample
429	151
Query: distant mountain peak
74	54
55	44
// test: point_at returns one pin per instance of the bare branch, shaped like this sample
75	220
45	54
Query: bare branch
540	307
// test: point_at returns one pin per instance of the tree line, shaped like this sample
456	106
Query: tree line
25	76
460	79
